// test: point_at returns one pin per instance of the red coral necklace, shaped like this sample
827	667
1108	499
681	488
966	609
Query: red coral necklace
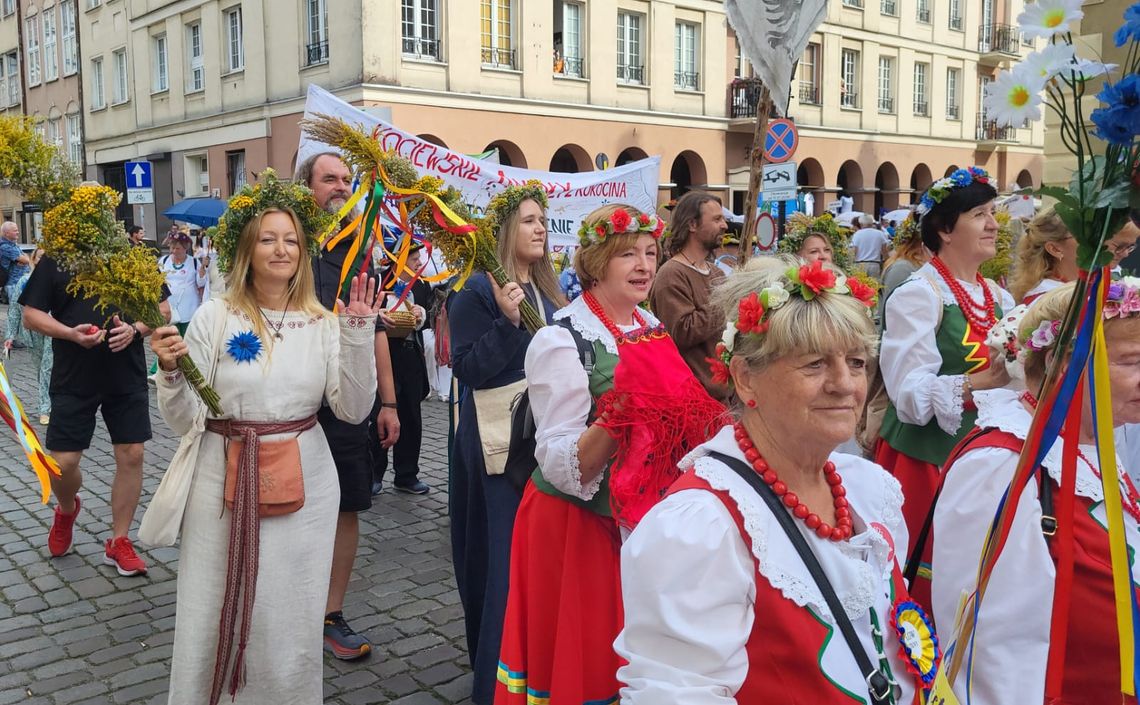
981	316
597	310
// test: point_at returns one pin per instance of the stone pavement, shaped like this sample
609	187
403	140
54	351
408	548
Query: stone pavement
74	631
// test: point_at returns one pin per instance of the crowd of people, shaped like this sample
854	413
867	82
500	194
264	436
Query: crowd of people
692	525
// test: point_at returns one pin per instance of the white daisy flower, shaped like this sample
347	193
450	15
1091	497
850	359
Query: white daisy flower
1048	18
1014	97
1050	61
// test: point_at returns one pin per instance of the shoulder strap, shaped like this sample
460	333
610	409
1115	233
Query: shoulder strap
879	686
585	347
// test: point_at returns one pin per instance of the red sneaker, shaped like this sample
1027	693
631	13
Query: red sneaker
121	554
59	537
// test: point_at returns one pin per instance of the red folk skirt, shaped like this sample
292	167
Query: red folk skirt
919	482
564	606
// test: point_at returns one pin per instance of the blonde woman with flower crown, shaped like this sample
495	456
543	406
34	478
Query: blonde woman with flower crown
1046	258
1011	648
258	514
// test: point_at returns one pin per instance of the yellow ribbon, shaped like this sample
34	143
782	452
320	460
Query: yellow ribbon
341	215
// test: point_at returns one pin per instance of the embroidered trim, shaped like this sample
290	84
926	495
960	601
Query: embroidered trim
957	402
592	329
352	322
574	471
172	377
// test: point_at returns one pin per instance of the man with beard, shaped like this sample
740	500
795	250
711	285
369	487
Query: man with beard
331	181
680	293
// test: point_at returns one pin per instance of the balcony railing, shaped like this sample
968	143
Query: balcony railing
316	53
809	93
503	58
423	48
889	7
1001	38
853	3
631	74
686	81
953	112
990	131
956	22
743	96
921	108
572	67
924	15
850	99
886	104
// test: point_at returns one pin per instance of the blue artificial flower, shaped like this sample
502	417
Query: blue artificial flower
1118	121
1130	30
244	347
961	177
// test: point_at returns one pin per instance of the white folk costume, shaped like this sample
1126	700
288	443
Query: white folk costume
316	358
720	607
1043	287
1011	643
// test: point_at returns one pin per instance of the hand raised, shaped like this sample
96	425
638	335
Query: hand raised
363	297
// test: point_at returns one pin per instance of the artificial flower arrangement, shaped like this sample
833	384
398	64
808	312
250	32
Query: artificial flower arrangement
620	221
800	225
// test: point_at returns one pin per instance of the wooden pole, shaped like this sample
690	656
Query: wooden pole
755	174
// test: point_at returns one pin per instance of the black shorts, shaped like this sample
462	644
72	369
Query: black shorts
73	419
349	445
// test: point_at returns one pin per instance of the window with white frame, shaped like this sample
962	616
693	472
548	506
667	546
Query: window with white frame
9	7
235	170
420	22
317	24
197	175
849	79
686	51
235	54
74	139
572	49
956	15
12	66
921	71
496	33
922	11
953	106
93	3
68	31
51	53
161	63
886	84
4	93
32	48
52	133
121	91
809	74
98	96
196	76
630	67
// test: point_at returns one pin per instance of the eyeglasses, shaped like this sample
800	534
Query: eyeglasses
1120	250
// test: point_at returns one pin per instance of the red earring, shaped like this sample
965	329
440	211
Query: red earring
751	403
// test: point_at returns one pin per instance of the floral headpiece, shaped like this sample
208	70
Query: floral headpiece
252	199
620	221
907	231
753	312
801	225
940	189
509	199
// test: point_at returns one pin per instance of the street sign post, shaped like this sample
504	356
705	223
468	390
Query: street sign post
779	183
140	184
780	141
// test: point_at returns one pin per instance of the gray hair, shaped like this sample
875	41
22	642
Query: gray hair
304	173
866	221
8	225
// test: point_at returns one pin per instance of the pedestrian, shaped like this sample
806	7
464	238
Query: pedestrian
869	246
38	344
352	444
93	370
680	295
488	349
185	277
1123	243
259	516
409	371
720	604
137	235
909	255
729	258
14	264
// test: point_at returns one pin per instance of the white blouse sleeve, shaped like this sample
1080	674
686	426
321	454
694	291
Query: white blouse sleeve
909	359
177	402
1011	644
689	589
350	372
559	391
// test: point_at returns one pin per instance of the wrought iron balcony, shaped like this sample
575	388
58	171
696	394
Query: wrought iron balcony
500	58
422	48
687	81
923	15
631	74
572	67
921	108
743	95
886	104
850	99
998	38
990	131
809	93
953	112
316	53
889	7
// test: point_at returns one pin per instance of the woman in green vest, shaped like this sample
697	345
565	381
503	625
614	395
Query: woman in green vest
933	356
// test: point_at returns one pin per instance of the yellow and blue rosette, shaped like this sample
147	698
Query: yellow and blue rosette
918	644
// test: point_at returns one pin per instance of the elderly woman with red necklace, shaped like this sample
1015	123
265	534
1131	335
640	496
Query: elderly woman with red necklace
721	601
934	355
615	408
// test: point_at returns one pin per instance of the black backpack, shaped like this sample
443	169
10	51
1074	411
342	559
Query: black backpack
520	457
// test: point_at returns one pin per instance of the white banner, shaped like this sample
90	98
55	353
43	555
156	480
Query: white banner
773	35
571	196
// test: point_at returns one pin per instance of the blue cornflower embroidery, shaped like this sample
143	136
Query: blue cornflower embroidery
244	347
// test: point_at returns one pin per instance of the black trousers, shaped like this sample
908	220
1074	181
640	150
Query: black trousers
410	375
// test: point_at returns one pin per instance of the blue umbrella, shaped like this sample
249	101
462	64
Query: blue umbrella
198	211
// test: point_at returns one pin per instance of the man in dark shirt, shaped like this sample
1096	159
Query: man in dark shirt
99	366
331	181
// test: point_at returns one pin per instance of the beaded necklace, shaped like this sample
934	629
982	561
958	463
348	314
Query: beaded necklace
981	316
597	310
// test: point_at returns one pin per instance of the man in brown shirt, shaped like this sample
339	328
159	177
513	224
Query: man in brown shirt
680	294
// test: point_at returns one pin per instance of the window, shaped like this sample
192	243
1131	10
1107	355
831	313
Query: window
98	97
495	33
572	52
956	15
70	47
686	49
10	79
889	7
161	64
629	66
197	175
9	7
886	84
236	54
93	4
849	79
119	64
421	34
51	132
922	12
920	106
316	49
858	4
196	78
32	48
51	55
953	111
809	75
74	140
235	170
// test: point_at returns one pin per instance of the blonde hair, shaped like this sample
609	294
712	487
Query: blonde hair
542	271
912	251
1034	263
827	323
821	236
240	294
591	259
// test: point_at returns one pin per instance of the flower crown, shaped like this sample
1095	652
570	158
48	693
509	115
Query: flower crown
907	231
620	221
509	199
940	189
253	199
801	225
754	312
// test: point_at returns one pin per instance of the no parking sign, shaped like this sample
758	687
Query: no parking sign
780	141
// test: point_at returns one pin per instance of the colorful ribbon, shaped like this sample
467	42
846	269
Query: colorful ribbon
12	411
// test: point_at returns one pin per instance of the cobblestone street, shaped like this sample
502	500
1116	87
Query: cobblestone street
73	631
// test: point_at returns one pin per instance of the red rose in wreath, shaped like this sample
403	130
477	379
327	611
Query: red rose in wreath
861	291
815	277
620	220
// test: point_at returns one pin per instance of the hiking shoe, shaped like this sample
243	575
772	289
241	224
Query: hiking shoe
341	641
121	554
59	537
416	487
